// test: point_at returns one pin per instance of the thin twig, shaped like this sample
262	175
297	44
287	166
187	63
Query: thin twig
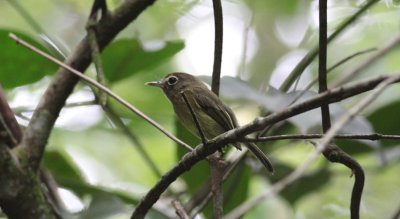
55	45
333	153
103	88
246	34
8	123
180	211
372	137
94	47
200	199
330	69
322	56
348	58
25	109
133	138
315	80
298	70
358	69
218	26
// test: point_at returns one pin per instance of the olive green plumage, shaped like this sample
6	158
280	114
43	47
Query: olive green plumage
214	116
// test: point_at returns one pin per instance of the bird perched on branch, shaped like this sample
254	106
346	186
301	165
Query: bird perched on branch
192	101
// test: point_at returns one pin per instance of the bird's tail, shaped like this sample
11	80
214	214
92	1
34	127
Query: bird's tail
261	156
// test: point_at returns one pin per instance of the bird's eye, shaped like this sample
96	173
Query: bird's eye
172	80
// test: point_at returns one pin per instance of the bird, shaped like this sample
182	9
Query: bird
212	115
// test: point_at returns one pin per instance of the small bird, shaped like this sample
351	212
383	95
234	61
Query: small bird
213	116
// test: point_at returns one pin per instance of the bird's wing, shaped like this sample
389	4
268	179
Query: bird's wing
213	107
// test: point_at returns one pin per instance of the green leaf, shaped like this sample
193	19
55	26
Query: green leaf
200	173
19	65
68	176
61	166
386	120
307	184
236	187
124	58
103	206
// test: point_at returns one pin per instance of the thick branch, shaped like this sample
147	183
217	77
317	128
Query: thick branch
54	98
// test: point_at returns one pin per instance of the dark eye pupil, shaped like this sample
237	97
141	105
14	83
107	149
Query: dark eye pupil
172	80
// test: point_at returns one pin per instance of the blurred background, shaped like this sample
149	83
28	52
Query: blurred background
101	167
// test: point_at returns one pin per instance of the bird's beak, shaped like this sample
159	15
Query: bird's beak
155	83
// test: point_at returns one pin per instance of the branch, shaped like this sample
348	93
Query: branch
117	121
91	27
53	43
216	162
202	196
218	25
372	137
10	131
358	69
322	81
334	153
200	152
330	69
180	211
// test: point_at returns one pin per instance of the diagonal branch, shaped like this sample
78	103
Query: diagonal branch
10	132
201	152
51	103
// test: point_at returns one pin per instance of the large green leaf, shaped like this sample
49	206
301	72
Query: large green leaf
236	187
126	57
68	176
103	206
307	184
200	173
19	66
61	166
386	120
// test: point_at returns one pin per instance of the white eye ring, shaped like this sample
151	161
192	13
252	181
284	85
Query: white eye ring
172	80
